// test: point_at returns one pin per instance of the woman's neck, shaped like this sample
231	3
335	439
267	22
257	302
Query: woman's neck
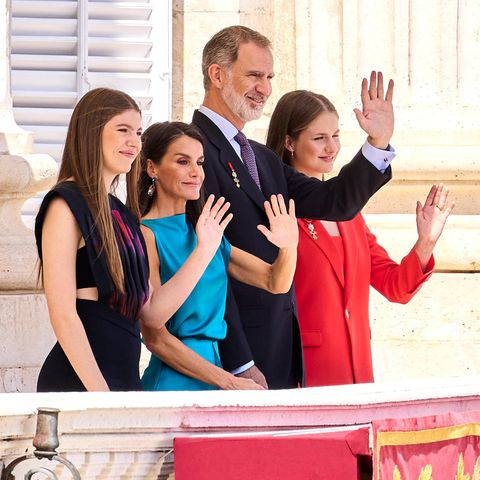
165	207
108	181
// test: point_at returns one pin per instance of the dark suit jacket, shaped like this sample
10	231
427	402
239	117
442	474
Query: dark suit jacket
263	326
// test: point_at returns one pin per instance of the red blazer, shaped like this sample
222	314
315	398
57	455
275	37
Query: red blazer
332	298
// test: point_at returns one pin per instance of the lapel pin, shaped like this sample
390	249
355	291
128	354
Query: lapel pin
234	175
311	228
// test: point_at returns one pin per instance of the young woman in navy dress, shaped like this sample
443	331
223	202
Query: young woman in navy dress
92	253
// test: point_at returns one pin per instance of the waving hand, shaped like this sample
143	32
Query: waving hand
283	230
376	117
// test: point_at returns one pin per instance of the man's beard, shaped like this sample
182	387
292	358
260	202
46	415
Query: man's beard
239	105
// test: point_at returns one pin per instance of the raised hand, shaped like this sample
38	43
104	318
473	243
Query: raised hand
376	117
212	223
283	230
432	215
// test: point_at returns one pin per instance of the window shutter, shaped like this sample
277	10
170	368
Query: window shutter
60	49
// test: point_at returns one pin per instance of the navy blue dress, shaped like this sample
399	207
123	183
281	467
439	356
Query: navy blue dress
111	322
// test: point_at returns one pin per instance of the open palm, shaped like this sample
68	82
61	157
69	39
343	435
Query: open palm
212	223
376	117
432	215
283	230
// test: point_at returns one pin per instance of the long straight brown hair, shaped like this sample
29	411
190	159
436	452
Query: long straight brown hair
82	160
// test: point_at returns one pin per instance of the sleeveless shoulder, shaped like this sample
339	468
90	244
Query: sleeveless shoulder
75	201
130	244
69	192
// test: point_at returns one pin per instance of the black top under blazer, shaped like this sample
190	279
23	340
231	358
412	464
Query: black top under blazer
263	326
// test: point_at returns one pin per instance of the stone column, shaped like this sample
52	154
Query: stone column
23	175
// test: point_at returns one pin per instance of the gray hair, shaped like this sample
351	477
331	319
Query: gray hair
223	47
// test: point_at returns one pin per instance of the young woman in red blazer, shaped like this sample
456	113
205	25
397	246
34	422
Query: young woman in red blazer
338	261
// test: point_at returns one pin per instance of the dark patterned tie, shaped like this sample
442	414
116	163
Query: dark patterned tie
248	156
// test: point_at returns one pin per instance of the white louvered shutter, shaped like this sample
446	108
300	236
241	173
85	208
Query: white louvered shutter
60	49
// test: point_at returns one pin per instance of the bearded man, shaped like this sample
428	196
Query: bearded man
263	339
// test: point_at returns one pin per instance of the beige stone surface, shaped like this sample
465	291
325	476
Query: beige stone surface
23	175
191	30
458	249
443	310
400	197
436	334
27	337
395	359
19	379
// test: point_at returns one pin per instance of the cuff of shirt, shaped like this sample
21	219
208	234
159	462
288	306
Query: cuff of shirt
380	159
243	368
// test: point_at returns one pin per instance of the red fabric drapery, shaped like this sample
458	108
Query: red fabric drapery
428	448
295	456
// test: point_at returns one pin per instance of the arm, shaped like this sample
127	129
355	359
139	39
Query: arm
60	238
166	299
181	358
342	197
399	283
431	218
277	277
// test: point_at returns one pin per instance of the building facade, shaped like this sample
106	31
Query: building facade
153	50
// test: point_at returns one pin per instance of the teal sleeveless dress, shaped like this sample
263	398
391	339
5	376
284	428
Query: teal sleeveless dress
199	323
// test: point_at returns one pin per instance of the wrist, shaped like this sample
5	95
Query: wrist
424	249
380	142
225	381
424	244
204	251
287	249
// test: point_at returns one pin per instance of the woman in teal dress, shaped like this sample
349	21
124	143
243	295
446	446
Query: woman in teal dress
190	258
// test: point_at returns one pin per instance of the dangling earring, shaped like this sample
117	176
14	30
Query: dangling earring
291	153
151	188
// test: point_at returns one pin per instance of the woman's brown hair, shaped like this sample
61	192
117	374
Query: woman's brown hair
82	160
292	114
155	142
